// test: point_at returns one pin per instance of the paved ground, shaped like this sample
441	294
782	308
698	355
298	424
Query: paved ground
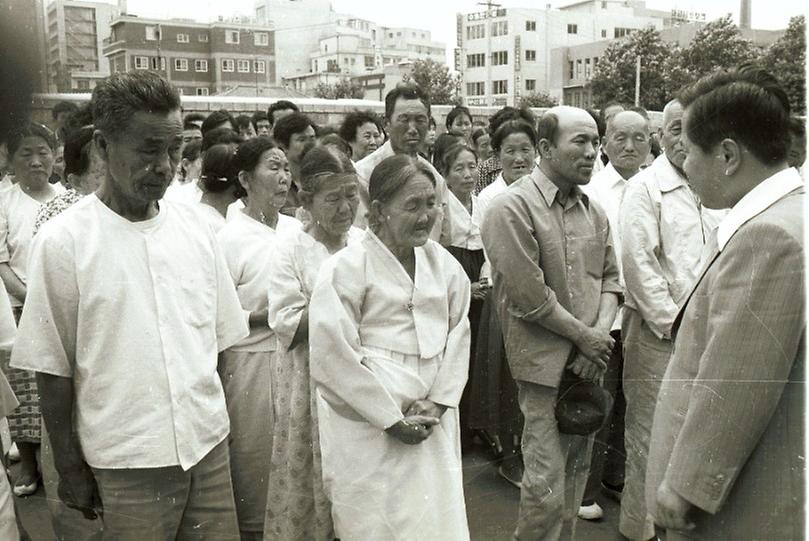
491	507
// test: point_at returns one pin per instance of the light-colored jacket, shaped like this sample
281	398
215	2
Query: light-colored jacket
728	432
663	230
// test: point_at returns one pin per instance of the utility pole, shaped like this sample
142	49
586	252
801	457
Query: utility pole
637	80
488	27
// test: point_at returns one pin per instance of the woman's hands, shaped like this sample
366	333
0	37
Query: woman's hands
420	418
480	289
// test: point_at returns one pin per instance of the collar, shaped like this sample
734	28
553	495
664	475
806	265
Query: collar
611	177
668	178
550	192
756	201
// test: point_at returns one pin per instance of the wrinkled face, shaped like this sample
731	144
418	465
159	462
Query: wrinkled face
627	143
410	215
408	125
484	147
573	154
33	162
263	128
671	135
300	143
142	157
462	174
705	171
517	155
268	184
335	204
461	125
192	135
365	141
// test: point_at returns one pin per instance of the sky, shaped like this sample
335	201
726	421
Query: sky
438	16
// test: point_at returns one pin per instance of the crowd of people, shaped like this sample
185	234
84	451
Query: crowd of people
256	327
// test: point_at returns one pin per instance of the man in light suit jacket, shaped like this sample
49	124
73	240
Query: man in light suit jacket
727	455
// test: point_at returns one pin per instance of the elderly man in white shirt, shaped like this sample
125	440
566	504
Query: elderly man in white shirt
129	303
663	228
627	145
407	113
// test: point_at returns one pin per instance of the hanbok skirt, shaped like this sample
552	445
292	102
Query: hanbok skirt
381	488
24	422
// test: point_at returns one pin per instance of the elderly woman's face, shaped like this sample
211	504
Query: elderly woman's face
462	173
517	155
335	204
410	215
269	181
33	161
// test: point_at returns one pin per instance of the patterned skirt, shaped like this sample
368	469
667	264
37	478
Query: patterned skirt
24	422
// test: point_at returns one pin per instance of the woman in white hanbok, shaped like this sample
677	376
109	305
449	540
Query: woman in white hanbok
249	242
297	505
389	340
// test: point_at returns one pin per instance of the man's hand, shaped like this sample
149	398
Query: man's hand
479	290
672	509
587	369
78	490
413	429
427	408
596	344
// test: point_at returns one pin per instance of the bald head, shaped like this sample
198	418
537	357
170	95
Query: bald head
627	142
672	110
568	141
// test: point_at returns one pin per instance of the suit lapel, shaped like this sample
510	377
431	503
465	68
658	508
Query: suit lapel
709	256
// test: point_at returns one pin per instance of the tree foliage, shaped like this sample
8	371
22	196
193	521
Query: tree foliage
538	99
786	59
614	76
344	88
441	86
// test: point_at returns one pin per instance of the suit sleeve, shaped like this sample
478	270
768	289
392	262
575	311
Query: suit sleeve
754	327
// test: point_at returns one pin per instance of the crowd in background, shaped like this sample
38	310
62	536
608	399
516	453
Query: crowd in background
253	326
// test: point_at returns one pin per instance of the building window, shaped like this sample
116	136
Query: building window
570	69
83	84
476	60
579	71
345	61
201	65
499	58
476	31
243	66
530	85
604	33
180	64
151	33
595	62
369	62
500	87
202	38
261	39
587	69
398	34
572	29
183	38
603	5
227	65
530	26
475	89
259	66
500	28
158	63
141	63
180	91
621	32
232	37
530	55
202	91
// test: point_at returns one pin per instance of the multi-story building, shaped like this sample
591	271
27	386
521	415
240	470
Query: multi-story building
200	59
504	54
76	34
572	67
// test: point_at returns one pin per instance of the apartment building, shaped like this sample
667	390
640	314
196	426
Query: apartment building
504	54
76	34
199	59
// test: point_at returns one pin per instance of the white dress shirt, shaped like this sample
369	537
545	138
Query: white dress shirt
135	314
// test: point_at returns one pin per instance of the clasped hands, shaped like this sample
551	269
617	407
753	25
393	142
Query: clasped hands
594	348
417	426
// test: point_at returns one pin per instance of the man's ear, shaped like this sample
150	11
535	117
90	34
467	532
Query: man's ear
544	148
102	145
730	152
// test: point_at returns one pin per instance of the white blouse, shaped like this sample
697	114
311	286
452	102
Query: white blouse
465	226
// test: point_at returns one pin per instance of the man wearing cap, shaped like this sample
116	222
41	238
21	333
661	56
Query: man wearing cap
557	288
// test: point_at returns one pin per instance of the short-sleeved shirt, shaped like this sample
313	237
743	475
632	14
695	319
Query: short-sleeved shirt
545	252
135	313
18	213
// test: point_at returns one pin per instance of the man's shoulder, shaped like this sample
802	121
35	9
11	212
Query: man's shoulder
365	166
781	222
